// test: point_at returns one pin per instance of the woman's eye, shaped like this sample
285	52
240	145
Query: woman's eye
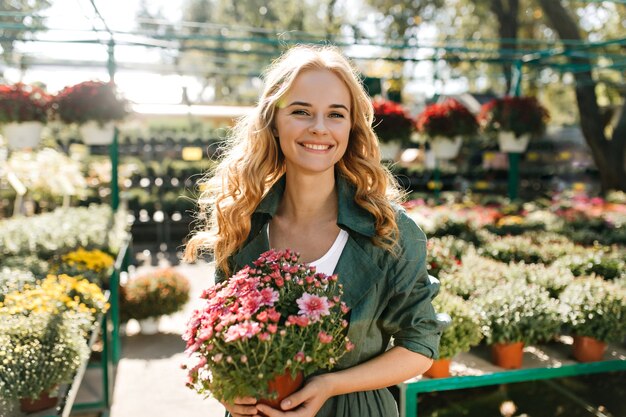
300	112
336	115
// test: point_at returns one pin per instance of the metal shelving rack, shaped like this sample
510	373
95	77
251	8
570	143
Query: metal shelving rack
541	362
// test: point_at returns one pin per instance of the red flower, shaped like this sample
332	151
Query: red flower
391	121
23	103
448	119
90	100
519	115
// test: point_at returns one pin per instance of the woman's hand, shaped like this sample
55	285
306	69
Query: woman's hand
304	403
242	407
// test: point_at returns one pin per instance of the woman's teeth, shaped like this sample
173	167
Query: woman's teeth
316	147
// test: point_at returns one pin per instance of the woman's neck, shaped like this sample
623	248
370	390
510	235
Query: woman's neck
309	199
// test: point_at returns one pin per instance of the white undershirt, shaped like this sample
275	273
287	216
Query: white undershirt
328	262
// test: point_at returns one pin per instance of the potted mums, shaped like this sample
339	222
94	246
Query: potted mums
263	330
149	296
514	120
23	112
595	311
463	332
445	125
516	314
94	106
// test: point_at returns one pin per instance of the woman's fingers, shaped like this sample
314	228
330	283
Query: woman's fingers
243	407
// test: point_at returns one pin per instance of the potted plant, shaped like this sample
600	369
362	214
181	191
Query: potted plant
94	265
514	120
279	307
40	351
445	125
515	314
463	332
594	312
94	106
23	112
154	294
393	127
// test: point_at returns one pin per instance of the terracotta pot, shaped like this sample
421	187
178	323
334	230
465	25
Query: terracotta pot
44	402
439	369
508	355
588	349
283	385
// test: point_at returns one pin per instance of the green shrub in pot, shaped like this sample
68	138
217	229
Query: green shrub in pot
464	330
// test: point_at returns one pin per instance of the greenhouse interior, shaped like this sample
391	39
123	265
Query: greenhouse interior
147	147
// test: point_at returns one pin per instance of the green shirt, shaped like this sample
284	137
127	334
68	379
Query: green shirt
389	297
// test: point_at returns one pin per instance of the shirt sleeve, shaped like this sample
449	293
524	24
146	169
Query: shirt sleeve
409	316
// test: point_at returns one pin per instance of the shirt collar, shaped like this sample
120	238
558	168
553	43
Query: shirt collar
350	214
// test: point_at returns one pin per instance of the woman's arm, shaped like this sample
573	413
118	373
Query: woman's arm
392	367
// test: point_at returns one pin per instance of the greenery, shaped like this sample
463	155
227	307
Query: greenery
89	101
38	267
93	227
465	328
595	308
157	293
444	253
39	352
23	103
276	316
596	261
518	312
529	248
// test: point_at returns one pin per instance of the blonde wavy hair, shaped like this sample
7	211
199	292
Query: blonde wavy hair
253	161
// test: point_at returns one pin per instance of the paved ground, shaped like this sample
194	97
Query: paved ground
149	380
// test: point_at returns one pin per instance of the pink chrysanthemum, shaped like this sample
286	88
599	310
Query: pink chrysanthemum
313	306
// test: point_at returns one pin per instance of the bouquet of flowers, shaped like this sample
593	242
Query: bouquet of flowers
519	115
90	101
448	119
23	103
274	318
391	121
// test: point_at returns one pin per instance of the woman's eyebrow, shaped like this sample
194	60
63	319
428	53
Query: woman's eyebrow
305	104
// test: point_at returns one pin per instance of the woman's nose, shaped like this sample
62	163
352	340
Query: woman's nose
318	126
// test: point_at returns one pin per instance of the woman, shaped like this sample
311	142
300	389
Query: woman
304	172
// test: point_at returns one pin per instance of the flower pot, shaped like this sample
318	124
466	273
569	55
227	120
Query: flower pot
94	134
439	369
43	402
149	326
283	385
446	148
508	355
22	135
588	349
510	144
389	150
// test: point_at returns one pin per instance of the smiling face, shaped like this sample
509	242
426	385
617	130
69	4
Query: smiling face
313	122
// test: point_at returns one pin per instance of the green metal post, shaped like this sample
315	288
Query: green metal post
437	178
114	154
514	158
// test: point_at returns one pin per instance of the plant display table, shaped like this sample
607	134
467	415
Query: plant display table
107	330
474	369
